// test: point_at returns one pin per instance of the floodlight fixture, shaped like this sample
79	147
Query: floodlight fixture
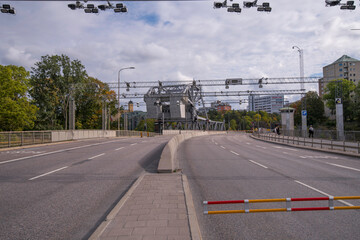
120	10
119	5
6	8
220	4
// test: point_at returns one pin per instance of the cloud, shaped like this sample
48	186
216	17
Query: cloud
182	40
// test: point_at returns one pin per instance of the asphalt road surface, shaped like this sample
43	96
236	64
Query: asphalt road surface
64	191
236	167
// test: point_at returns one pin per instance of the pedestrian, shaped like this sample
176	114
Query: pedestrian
277	130
311	132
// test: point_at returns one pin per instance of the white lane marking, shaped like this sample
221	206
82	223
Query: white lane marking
323	193
58	151
119	148
291	149
222	147
248	143
42	175
302	156
258	164
286	153
216	143
278	147
97	156
341	166
235	153
133	144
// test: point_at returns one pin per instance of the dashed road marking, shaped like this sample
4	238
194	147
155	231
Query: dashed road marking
119	148
97	156
222	147
341	166
323	193
42	175
258	164
133	144
235	153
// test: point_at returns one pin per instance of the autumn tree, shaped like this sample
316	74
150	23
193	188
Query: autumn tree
16	111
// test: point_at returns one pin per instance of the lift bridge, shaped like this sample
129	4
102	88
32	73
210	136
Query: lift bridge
177	103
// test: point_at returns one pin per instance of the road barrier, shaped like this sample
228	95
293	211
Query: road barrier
288	205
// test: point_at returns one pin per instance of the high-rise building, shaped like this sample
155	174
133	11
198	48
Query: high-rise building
269	104
344	68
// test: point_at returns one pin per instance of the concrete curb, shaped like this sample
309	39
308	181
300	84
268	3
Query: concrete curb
115	210
310	148
168	162
193	222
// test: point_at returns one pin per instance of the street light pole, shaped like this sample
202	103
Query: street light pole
119	93
303	101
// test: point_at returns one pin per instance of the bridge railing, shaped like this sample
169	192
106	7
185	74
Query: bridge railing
13	139
344	146
22	138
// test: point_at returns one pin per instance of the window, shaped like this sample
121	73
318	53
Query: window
340	64
340	70
341	75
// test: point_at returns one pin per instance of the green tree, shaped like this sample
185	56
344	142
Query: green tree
16	112
357	103
314	107
347	88
54	80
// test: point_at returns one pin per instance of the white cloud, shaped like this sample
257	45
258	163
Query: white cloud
182	40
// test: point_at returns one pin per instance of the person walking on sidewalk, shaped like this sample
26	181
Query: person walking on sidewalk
311	132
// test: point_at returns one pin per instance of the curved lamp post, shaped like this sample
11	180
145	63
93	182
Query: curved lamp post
119	93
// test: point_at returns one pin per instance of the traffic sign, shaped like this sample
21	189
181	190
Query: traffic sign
304	112
338	101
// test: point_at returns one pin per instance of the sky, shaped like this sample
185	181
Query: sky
182	40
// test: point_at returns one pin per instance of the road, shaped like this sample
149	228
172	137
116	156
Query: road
235	167
64	191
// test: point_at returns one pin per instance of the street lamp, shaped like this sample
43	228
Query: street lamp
119	93
303	101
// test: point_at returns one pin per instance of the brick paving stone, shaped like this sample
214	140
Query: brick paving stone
155	210
148	231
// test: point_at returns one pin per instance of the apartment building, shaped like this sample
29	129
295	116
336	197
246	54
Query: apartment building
344	68
269	104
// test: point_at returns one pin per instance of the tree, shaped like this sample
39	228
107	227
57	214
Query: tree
357	103
16	112
54	80
314	107
89	103
347	88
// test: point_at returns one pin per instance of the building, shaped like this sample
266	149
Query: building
269	104
344	68
222	107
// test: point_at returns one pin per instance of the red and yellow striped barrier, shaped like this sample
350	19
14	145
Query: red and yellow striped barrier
288	205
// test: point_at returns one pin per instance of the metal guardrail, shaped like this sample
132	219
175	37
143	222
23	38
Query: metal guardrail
14	139
344	146
288	205
349	136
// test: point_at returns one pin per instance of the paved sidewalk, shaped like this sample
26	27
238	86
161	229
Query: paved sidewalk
154	208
